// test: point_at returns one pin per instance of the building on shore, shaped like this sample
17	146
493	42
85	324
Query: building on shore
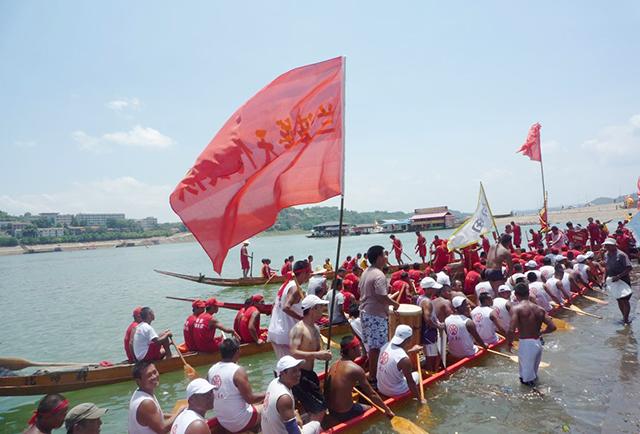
393	225
50	232
148	223
329	229
97	219
363	229
432	218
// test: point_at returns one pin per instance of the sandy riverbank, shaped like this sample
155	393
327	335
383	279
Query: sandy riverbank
576	215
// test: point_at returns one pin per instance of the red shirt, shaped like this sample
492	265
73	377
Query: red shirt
244	258
397	286
486	245
203	336
345	265
356	282
286	268
395	276
349	298
352	263
416	276
127	337
441	258
187	332
397	246
517	234
470	281
266	271
422	246
243	326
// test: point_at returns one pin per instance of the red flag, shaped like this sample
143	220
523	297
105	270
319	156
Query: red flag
531	147
283	147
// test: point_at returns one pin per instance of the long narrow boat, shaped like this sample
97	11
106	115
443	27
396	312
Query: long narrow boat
94	375
443	373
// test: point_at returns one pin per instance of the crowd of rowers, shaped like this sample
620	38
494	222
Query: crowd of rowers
507	291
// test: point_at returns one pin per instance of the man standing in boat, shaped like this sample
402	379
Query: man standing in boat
396	246
421	246
527	318
147	344
498	255
245	263
517	234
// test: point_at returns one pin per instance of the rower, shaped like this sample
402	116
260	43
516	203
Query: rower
346	289
287	310
541	293
343	376
204	330
49	415
347	264
233	398
403	287
200	399
421	246
394	367
441	257
581	269
532	267
517	234
499	254
128	335
317	285
486	319
356	325
415	274
84	419
396	246
486	245
244	259
278	414
145	414
472	278
338	311
197	307
363	263
430	323
527	318
547	270
461	331
483	287
556	284
502	306
147	344
305	344
327	265
286	267
354	276
247	321
266	271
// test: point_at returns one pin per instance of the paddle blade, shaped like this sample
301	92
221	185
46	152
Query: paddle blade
562	324
190	372
595	299
405	426
179	404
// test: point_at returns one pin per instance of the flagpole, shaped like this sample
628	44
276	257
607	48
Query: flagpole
544	189
495	226
337	263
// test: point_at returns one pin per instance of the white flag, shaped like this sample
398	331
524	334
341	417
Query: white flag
480	223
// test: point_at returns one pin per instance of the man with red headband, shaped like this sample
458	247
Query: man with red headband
396	246
204	329
128	335
147	344
197	307
247	321
287	310
49	415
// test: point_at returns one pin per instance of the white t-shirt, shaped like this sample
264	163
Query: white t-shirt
500	306
272	422
356	326
483	287
481	316
542	298
142	338
281	324
547	271
582	270
338	315
460	340
391	380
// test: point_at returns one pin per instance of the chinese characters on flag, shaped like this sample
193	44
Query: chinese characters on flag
283	147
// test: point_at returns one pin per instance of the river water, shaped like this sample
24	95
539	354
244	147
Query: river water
75	306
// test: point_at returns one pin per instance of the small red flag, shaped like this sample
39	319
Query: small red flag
283	147
531	147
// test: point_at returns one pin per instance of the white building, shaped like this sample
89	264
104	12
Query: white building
50	232
97	219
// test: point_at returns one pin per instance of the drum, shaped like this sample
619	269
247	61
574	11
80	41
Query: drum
408	314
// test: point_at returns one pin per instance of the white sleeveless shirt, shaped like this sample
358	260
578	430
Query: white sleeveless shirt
504	317
460	340
136	399
582	269
566	283
552	284
281	324
391	380
272	423
232	411
542	298
183	421
486	328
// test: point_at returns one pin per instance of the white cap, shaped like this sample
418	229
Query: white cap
443	279
609	242
457	301
581	258
531	264
246	242
287	362
504	288
560	258
589	254
311	301
199	386
428	282
316	283
403	332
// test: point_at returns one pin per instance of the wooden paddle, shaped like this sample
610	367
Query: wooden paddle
189	372
562	324
420	375
17	363
514	358
579	311
332	343
399	423
269	279
601	291
594	299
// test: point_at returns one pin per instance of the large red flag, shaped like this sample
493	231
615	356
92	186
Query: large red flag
531	147
283	147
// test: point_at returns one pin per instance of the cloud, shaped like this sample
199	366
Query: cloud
124	104
124	194
617	142
138	136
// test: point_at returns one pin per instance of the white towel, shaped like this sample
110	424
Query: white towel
619	288
529	356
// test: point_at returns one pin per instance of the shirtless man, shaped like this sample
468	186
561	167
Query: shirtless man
305	344
499	254
528	317
344	375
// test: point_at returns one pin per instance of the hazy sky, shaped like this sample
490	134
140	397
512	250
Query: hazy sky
106	105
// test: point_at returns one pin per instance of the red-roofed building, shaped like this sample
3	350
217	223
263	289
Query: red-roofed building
432	218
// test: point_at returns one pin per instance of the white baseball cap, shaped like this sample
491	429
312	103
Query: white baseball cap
504	288
531	264
443	278
581	258
609	242
199	386
311	301
402	333
560	258
589	254
428	282
457	301
287	362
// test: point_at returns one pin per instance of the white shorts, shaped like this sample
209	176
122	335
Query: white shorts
529	356
430	350
312	427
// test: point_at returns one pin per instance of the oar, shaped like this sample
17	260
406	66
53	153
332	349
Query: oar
562	324
514	358
333	343
420	376
269	279
443	347
188	369
408	257
594	299
599	290
579	311
399	423
17	363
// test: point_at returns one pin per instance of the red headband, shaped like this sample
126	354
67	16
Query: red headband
353	344
63	405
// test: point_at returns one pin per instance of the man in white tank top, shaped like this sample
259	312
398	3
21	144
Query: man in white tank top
502	306
581	269
556	285
287	310
233	396
541	293
547	270
394	366
191	420
461	331
145	414
486	319
278	412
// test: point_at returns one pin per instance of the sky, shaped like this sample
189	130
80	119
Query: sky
106	105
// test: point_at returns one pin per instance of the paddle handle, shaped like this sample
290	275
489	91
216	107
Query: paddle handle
577	310
369	400
269	279
499	353
420	376
184	362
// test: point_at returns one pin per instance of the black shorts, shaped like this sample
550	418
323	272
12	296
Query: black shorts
493	274
308	392
356	410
